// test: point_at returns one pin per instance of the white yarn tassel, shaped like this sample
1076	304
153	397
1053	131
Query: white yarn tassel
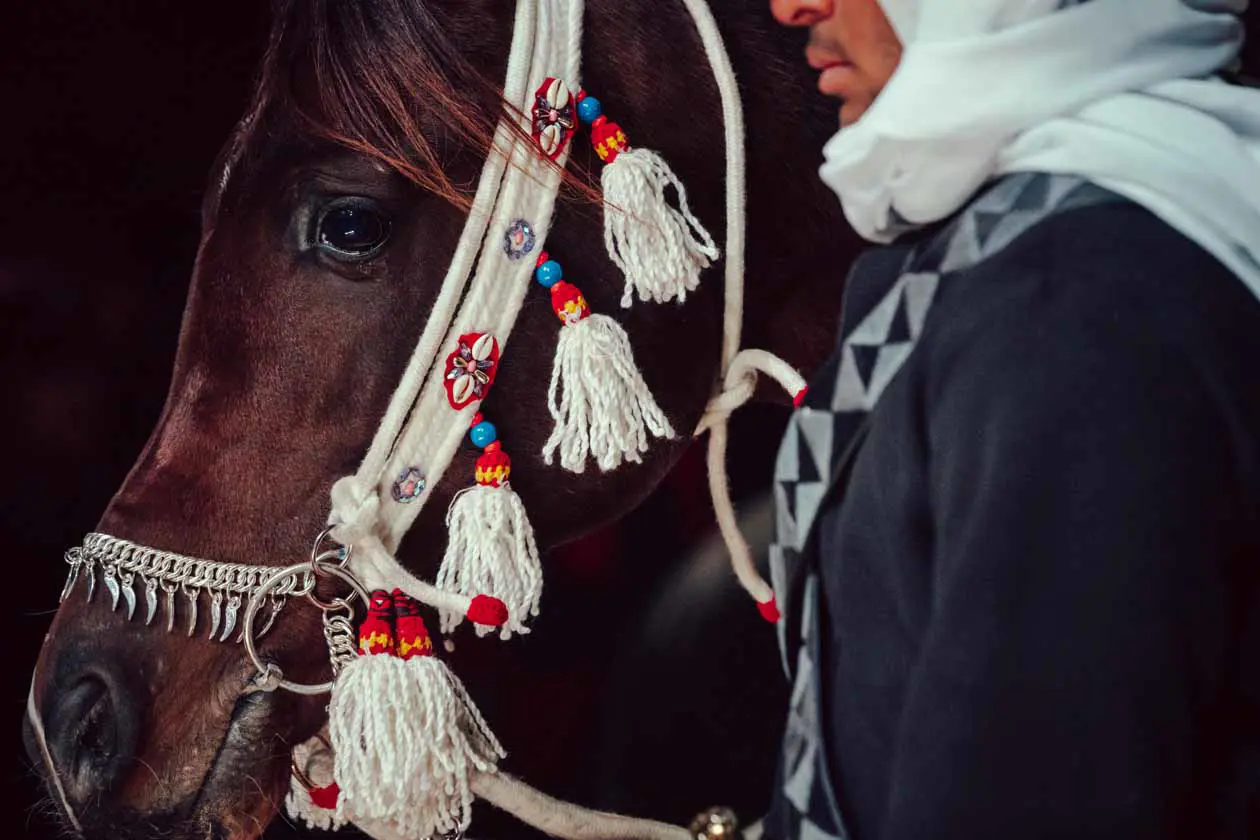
299	806
491	550
660	248
601	405
408	741
314	760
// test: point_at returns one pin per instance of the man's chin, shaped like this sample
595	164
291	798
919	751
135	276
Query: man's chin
850	112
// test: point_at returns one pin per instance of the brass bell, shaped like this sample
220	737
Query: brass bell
716	824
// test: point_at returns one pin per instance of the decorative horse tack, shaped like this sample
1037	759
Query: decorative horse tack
410	765
490	548
471	369
408	486
602	407
518	239
121	562
659	248
553	117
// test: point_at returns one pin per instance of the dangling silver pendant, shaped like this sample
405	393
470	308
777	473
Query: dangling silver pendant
74	575
216	613
150	600
234	604
91	576
192	596
129	595
111	584
169	589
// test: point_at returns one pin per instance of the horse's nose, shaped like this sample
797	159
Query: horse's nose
90	729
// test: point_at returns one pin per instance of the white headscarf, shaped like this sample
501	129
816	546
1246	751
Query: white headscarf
1122	92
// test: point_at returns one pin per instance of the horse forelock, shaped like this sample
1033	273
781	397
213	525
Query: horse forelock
405	83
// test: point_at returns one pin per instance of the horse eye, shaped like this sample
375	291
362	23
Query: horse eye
352	229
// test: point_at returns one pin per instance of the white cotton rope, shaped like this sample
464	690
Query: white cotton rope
564	820
356	501
738	380
499	288
50	767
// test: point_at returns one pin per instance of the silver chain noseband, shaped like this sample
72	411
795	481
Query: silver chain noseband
229	585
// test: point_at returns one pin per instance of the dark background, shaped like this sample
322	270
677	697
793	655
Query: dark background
110	117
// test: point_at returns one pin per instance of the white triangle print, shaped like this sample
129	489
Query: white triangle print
785	525
817	428
850	392
786	466
873	329
963	248
809	496
920	290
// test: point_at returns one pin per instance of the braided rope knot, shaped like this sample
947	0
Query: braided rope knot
356	514
736	392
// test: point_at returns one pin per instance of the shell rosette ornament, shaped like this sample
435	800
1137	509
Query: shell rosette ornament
553	117
471	369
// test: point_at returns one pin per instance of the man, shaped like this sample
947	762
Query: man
1019	513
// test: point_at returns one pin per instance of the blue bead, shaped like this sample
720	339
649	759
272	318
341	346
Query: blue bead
548	274
483	434
589	109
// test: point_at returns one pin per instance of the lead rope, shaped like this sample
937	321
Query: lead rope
739	369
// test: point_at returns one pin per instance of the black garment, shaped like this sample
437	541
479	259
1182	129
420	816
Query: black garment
1039	600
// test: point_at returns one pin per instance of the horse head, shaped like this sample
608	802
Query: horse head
328	225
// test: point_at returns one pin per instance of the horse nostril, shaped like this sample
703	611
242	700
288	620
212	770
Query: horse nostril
91	736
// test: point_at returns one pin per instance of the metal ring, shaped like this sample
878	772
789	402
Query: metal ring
303	779
256	601
317	555
318	564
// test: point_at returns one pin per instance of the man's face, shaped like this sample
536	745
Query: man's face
853	45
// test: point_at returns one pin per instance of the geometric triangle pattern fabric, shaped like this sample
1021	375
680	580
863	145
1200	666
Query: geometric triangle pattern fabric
876	345
806	788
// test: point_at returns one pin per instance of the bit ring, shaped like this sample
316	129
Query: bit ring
321	567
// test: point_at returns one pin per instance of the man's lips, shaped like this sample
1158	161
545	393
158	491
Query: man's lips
833	71
834	78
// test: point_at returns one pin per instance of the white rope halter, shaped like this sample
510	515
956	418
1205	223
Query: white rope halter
484	290
418	437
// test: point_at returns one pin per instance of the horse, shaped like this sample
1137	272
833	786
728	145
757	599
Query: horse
330	215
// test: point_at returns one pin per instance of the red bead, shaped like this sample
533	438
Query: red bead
568	302
608	139
487	611
325	797
477	418
542	258
494	466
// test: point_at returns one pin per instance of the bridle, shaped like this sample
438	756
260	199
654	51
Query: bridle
484	289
